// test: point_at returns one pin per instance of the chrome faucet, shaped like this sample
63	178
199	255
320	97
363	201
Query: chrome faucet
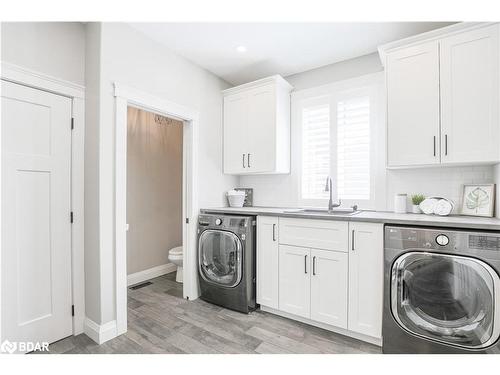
328	187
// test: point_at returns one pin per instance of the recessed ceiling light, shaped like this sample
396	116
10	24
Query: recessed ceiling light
241	49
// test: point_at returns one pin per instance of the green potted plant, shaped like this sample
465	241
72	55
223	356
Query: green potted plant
416	199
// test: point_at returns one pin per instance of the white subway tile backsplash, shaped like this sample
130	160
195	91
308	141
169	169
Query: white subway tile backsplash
445	182
282	190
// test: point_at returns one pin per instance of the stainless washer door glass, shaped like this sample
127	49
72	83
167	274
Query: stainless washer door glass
446	298
219	257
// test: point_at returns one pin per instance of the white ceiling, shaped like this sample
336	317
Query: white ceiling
275	48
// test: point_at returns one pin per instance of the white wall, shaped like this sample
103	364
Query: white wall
92	116
282	190
54	48
336	72
131	59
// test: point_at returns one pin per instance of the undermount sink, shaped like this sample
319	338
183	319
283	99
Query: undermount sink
318	211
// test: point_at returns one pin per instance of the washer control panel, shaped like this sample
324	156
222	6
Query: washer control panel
442	240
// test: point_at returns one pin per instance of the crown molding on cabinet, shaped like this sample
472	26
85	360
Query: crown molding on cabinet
276	79
428	36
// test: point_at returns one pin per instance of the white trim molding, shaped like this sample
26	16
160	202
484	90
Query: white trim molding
18	74
150	273
359	336
127	96
100	333
37	80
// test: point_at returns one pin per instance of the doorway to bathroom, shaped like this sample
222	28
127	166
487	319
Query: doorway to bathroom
154	198
127	97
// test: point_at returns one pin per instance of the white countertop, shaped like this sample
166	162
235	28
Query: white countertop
453	221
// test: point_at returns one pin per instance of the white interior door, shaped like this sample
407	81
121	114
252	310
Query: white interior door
329	287
36	228
294	280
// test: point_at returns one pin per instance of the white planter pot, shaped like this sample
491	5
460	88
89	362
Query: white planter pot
416	209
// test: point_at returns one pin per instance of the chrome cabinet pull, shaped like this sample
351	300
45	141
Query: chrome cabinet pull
434	145
305	264
446	144
314	266
248	160
352	240
244	161
274	232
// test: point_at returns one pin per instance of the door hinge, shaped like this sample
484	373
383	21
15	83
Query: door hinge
71	217
72	123
72	310
187	220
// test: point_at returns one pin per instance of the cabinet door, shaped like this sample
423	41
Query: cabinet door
413	106
470	96
262	129
235	133
366	278
329	287
294	280
267	261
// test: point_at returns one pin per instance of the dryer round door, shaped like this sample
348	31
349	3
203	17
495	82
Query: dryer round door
446	298
220	258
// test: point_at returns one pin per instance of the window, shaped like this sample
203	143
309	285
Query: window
315	150
353	148
337	125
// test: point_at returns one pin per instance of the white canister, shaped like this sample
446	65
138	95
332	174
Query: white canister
236	198
400	203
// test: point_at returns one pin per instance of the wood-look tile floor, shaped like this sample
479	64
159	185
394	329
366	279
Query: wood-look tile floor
161	321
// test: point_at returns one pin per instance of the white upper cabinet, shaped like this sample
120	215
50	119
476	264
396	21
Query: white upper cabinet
235	109
257	127
470	96
443	97
413	105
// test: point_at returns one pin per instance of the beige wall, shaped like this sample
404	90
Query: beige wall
154	190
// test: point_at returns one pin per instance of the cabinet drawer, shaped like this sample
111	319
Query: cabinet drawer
317	234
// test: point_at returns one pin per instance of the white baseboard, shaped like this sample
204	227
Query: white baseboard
372	340
151	273
100	333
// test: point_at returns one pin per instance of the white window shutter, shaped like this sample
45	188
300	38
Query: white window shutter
353	148
315	150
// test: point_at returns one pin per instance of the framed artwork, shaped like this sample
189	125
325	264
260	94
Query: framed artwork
478	200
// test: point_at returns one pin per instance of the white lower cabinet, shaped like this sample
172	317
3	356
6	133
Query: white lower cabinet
267	261
340	288
366	278
295	280
313	284
329	287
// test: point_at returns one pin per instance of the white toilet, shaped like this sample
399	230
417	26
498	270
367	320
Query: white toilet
175	256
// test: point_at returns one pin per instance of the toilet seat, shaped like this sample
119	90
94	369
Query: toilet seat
176	251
